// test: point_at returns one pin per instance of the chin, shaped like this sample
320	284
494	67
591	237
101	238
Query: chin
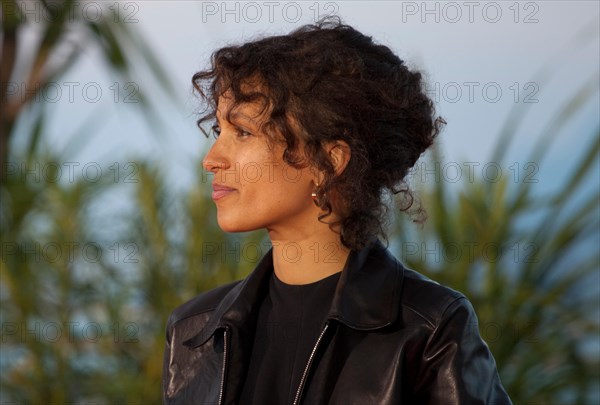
226	227
233	226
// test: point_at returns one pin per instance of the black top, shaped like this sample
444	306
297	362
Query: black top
289	322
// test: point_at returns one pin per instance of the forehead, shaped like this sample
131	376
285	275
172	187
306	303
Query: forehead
229	109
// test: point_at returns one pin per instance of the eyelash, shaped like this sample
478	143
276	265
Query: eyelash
217	131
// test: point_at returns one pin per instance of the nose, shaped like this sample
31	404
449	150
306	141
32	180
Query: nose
215	159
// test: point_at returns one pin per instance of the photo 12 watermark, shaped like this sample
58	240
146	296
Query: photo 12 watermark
469	251
470	172
253	172
70	252
266	11
292	252
70	172
71	332
125	12
71	92
483	92
453	12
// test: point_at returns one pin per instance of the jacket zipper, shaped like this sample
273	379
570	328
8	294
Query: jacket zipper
222	388
310	359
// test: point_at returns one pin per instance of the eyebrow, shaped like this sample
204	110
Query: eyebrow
235	115
240	115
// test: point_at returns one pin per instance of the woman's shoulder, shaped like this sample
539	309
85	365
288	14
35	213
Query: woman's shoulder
429	300
419	299
206	301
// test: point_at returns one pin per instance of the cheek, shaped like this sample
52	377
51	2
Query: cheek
256	166
263	171
293	184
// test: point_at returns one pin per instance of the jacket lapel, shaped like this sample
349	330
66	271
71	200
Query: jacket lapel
239	304
367	295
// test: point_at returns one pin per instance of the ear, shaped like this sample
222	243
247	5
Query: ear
339	154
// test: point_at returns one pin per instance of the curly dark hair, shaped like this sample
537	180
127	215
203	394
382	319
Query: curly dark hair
336	84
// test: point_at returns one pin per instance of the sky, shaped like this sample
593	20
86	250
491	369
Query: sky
480	60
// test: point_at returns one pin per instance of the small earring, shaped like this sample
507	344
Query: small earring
315	198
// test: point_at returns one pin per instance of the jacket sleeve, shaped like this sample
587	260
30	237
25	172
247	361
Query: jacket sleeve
457	366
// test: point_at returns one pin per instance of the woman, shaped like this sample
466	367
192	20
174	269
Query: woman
313	129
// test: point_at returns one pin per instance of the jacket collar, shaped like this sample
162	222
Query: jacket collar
367	295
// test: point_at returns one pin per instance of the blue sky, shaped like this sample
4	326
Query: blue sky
480	59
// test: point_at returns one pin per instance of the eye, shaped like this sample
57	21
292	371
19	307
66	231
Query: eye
216	129
242	133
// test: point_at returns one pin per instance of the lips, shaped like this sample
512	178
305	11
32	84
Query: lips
220	191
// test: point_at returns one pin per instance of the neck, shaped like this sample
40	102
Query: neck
310	259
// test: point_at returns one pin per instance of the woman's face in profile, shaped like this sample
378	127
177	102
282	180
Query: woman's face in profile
253	188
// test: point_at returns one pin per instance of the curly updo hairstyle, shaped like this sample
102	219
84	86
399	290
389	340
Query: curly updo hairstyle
335	84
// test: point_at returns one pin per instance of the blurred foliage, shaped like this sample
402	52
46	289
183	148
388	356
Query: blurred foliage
65	31
85	297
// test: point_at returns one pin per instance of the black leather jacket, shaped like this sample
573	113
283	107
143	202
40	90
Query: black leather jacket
391	336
